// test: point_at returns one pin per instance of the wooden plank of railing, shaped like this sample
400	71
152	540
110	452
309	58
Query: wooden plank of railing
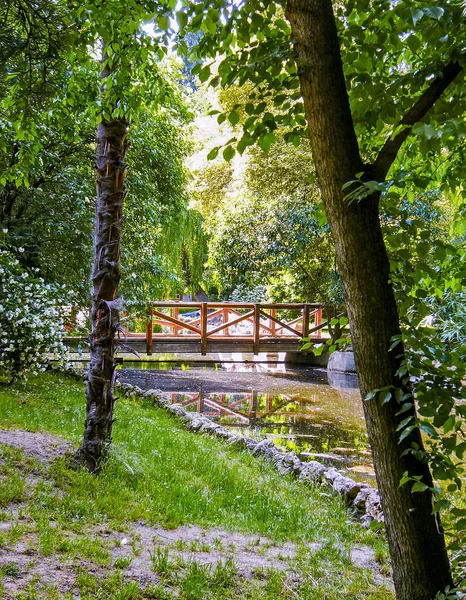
318	316
220	305
149	333
282	325
268	402
230	323
257	326
181	324
179	319
273	313
204	328
225	313
176	314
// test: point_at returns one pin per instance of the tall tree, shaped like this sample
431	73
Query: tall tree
111	191
128	61
352	172
417	547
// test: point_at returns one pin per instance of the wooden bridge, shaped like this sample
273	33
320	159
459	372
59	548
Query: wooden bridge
204	327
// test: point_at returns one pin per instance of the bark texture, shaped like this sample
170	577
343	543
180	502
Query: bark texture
110	172
417	547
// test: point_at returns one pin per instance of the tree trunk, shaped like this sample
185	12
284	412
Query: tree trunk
110	171
417	548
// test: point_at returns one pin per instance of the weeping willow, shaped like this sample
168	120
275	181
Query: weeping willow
164	245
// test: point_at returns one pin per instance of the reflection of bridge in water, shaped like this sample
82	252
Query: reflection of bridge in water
272	416
246	408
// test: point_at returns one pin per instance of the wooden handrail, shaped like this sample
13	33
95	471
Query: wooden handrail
281	306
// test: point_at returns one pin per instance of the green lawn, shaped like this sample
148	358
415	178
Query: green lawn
159	474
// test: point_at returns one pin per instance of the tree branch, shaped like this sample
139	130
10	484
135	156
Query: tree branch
389	151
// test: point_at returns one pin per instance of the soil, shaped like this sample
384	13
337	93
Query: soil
251	554
211	380
46	447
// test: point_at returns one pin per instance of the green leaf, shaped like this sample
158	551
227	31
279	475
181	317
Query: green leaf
425	130
182	19
385	396
404	408
416	14
419	487
441	504
266	141
403	423
213	153
163	22
233	117
406	432
204	74
318	349
460	525
449	424
229	153
434	11
404	479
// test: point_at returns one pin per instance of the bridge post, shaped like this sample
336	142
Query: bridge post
204	328
305	329
272	324
149	328
176	314
257	327
318	317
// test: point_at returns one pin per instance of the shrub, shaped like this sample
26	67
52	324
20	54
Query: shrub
30	320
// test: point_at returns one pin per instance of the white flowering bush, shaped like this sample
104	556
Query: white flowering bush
30	321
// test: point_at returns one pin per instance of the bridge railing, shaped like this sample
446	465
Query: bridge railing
231	320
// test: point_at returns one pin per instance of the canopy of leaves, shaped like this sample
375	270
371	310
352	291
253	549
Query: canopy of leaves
50	104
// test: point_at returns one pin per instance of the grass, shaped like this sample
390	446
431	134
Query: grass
160	474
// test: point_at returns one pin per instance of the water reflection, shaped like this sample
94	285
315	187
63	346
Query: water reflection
298	424
294	407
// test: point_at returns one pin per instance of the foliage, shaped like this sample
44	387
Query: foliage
163	244
54	209
388	40
278	243
245	293
264	218
30	320
164	247
46	154
429	273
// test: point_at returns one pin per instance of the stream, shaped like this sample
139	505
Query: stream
317	414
